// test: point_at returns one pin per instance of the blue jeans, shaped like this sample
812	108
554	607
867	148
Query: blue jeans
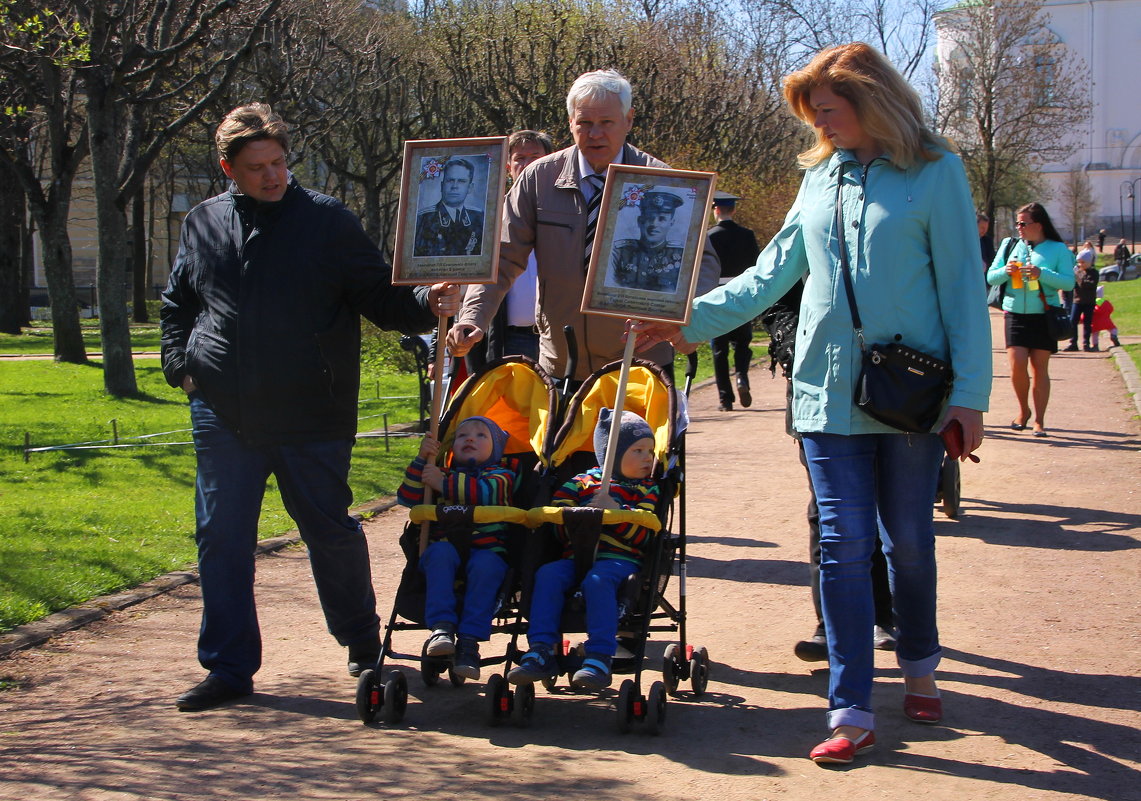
312	478
868	485
485	570
600	591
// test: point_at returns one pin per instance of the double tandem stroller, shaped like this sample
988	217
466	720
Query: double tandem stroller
551	440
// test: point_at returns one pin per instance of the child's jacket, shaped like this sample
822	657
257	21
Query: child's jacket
491	485
624	540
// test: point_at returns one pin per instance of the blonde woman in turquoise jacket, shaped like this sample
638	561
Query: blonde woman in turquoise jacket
912	243
1039	266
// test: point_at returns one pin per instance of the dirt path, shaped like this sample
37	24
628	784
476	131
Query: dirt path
1039	616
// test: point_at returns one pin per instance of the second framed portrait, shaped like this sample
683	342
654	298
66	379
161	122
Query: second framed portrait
451	201
649	242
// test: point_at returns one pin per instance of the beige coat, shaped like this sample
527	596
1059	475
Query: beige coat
545	211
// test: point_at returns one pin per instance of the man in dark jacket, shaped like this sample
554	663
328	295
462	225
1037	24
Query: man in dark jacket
736	246
260	327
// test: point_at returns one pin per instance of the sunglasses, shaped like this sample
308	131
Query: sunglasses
1023	224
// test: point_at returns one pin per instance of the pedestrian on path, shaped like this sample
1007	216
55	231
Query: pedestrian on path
261	329
737	248
1037	268
872	152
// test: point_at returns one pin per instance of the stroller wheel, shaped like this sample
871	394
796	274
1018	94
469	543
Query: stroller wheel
430	668
395	697
656	708
368	696
627	698
498	698
950	487
524	704
672	668
455	678
699	671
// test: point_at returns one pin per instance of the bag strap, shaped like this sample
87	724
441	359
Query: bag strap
1007	246
856	324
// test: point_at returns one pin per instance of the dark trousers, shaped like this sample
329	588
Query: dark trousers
738	341
881	586
313	481
1083	312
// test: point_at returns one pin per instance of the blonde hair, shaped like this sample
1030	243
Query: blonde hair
888	109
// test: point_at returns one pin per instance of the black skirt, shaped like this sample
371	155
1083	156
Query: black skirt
1029	331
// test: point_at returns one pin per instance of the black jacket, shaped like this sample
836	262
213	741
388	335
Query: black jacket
736	246
262	311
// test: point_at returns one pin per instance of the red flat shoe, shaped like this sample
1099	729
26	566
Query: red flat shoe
923	708
842	750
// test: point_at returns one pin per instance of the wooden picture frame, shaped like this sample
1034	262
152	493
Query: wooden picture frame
649	243
437	238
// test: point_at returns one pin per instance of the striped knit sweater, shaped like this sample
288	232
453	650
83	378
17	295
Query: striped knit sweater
625	540
491	485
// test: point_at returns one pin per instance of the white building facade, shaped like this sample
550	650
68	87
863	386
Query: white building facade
1106	35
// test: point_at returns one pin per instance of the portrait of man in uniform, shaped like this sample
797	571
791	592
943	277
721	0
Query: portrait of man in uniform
651	261
451	227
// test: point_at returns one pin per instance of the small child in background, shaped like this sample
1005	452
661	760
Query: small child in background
1102	321
476	478
620	550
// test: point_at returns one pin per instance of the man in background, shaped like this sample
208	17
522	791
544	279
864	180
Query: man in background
552	210
737	249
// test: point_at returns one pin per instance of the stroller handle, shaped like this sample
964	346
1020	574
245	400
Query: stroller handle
554	514
430	513
531	518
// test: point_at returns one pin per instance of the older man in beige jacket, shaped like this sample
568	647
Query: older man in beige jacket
546	211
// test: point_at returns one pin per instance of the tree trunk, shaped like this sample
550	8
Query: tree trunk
56	247
13	289
139	265
113	266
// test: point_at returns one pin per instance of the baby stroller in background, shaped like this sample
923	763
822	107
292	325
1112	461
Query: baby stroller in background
519	397
569	451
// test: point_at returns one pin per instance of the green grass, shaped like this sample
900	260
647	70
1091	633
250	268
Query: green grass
1126	299
37	340
78	524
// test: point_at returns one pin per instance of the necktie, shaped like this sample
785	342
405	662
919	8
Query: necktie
592	205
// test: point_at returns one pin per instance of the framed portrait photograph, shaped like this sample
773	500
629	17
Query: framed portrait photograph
648	243
451	201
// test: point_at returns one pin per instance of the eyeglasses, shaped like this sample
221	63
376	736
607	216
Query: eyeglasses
1023	224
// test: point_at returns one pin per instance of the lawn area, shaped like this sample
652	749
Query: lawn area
78	524
1126	299
38	339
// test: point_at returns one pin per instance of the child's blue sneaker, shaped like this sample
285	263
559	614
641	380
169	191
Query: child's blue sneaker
537	664
594	673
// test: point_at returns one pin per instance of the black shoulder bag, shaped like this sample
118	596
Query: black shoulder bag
997	292
898	386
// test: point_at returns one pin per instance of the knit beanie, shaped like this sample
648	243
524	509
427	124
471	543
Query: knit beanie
632	429
498	440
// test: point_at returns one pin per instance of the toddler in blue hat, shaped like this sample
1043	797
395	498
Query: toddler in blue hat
620	551
476	478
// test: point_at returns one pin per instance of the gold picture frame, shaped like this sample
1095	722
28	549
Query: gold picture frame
451	203
649	243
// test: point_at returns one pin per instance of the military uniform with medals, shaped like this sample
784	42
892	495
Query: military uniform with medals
439	234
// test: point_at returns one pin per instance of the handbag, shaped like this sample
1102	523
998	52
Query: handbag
997	292
1058	321
898	386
